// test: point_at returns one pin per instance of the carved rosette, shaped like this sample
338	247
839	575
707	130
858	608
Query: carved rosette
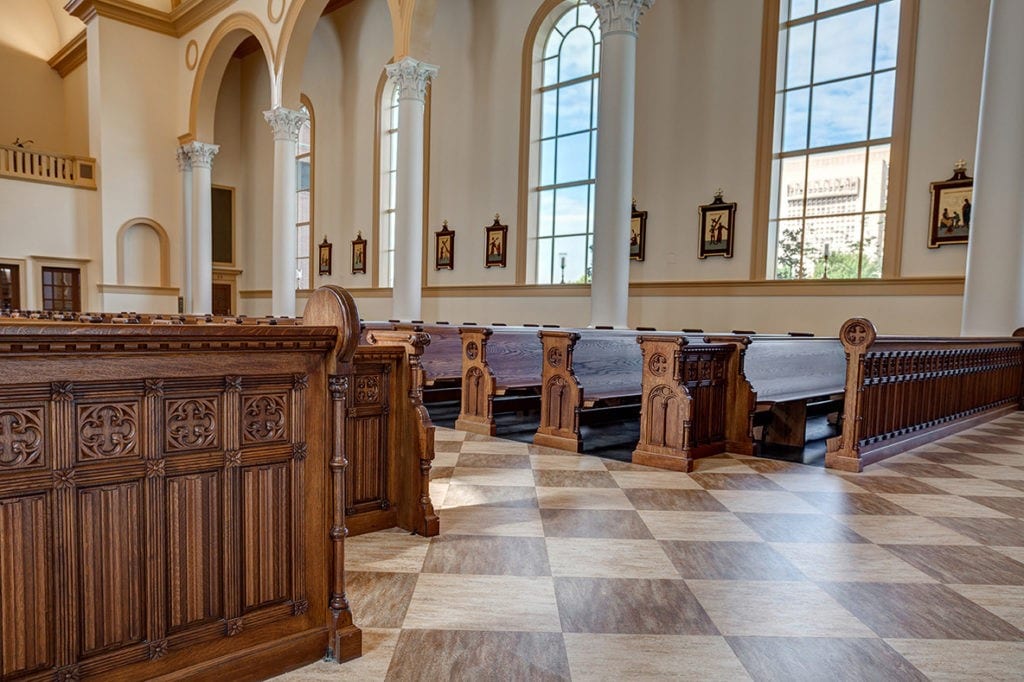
412	77
155	468
367	390
154	388
300	608
21	436
300	382
232	459
157	649
285	123
62	391
232	384
64	479
620	16
471	350
299	451
109	430
200	154
858	332
234	627
555	357
191	424
658	364
68	673
263	419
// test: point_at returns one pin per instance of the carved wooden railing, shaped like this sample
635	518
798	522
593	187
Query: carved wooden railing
172	497
902	392
57	169
696	402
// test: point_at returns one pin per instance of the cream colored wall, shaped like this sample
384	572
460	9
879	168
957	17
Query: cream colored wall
944	127
253	228
133	135
76	112
33	101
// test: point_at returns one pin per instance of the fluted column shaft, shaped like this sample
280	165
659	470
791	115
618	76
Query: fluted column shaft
411	78
609	288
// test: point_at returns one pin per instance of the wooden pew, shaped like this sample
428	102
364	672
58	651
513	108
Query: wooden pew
202	468
902	392
441	360
501	368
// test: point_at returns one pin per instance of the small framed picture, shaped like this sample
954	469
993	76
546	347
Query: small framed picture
325	256
951	209
637	233
444	248
496	252
716	228
359	254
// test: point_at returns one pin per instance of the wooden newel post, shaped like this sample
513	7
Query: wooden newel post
333	306
843	451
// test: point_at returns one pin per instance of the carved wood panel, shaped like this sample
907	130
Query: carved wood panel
367	483
26	596
266	536
22	437
111	556
108	430
264	418
190	424
194	548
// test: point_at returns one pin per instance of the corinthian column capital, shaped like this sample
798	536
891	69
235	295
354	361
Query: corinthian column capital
412	76
620	16
285	123
197	155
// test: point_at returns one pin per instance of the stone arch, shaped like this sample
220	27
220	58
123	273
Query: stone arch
165	248
412	23
222	43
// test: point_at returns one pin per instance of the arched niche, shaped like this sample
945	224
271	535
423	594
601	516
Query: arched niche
221	45
141	243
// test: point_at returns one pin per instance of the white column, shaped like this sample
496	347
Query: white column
286	124
609	288
994	288
411	77
201	155
185	166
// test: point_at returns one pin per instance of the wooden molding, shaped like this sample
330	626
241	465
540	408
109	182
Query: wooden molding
69	57
185	16
138	289
255	293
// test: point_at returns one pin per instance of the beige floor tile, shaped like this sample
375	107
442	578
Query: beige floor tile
976	487
721	464
826	483
903	530
775	609
849	562
651	657
567	462
491	521
391	550
445	459
609	558
1015	553
1006	601
582	498
956	660
441	433
437	493
1001	458
655	479
492	476
994	472
378	648
942	505
496	447
763	502
477	602
698	526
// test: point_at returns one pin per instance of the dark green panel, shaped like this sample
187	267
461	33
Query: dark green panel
223	219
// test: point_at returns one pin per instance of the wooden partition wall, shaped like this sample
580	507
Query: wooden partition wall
172	497
902	392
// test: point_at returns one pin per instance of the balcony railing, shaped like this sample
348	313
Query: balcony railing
56	169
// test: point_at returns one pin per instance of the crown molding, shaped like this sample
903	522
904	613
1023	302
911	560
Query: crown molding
69	57
176	23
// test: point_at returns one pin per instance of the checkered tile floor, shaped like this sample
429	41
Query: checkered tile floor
554	566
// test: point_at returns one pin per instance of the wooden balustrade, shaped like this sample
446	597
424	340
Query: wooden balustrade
49	167
902	392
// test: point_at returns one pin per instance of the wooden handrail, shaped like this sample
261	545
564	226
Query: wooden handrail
50	167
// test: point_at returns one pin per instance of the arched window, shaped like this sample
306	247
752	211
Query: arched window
304	158
388	175
834	129
564	158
